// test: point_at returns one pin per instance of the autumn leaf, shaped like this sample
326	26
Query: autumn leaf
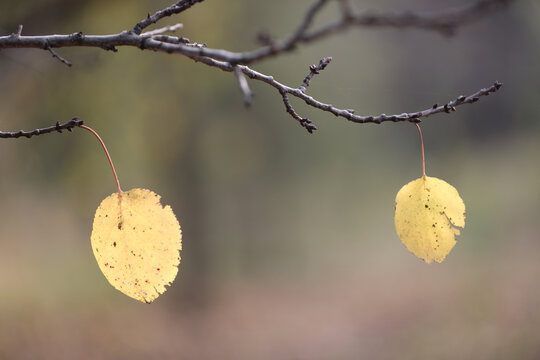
427	216
137	243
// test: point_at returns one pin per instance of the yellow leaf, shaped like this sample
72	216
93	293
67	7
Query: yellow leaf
428	210
137	243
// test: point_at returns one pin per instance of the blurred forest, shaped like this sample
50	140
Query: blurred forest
290	250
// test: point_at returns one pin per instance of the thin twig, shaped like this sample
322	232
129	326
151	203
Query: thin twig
176	8
61	59
304	122
314	70
56	128
163	30
244	86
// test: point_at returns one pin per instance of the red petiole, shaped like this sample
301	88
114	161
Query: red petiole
108	157
422	146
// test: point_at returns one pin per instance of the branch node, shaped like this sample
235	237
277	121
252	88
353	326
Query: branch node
142	44
78	36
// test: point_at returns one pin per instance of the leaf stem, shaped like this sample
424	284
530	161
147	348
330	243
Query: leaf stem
422	146
108	157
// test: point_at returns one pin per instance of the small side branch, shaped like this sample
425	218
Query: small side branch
314	70
304	26
176	8
304	122
75	122
445	22
163	30
244	86
414	117
61	59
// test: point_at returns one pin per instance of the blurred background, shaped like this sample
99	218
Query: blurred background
289	244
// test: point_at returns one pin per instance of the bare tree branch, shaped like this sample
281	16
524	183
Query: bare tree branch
56	128
291	41
349	113
445	23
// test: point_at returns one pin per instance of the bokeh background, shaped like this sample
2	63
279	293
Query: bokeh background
289	244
